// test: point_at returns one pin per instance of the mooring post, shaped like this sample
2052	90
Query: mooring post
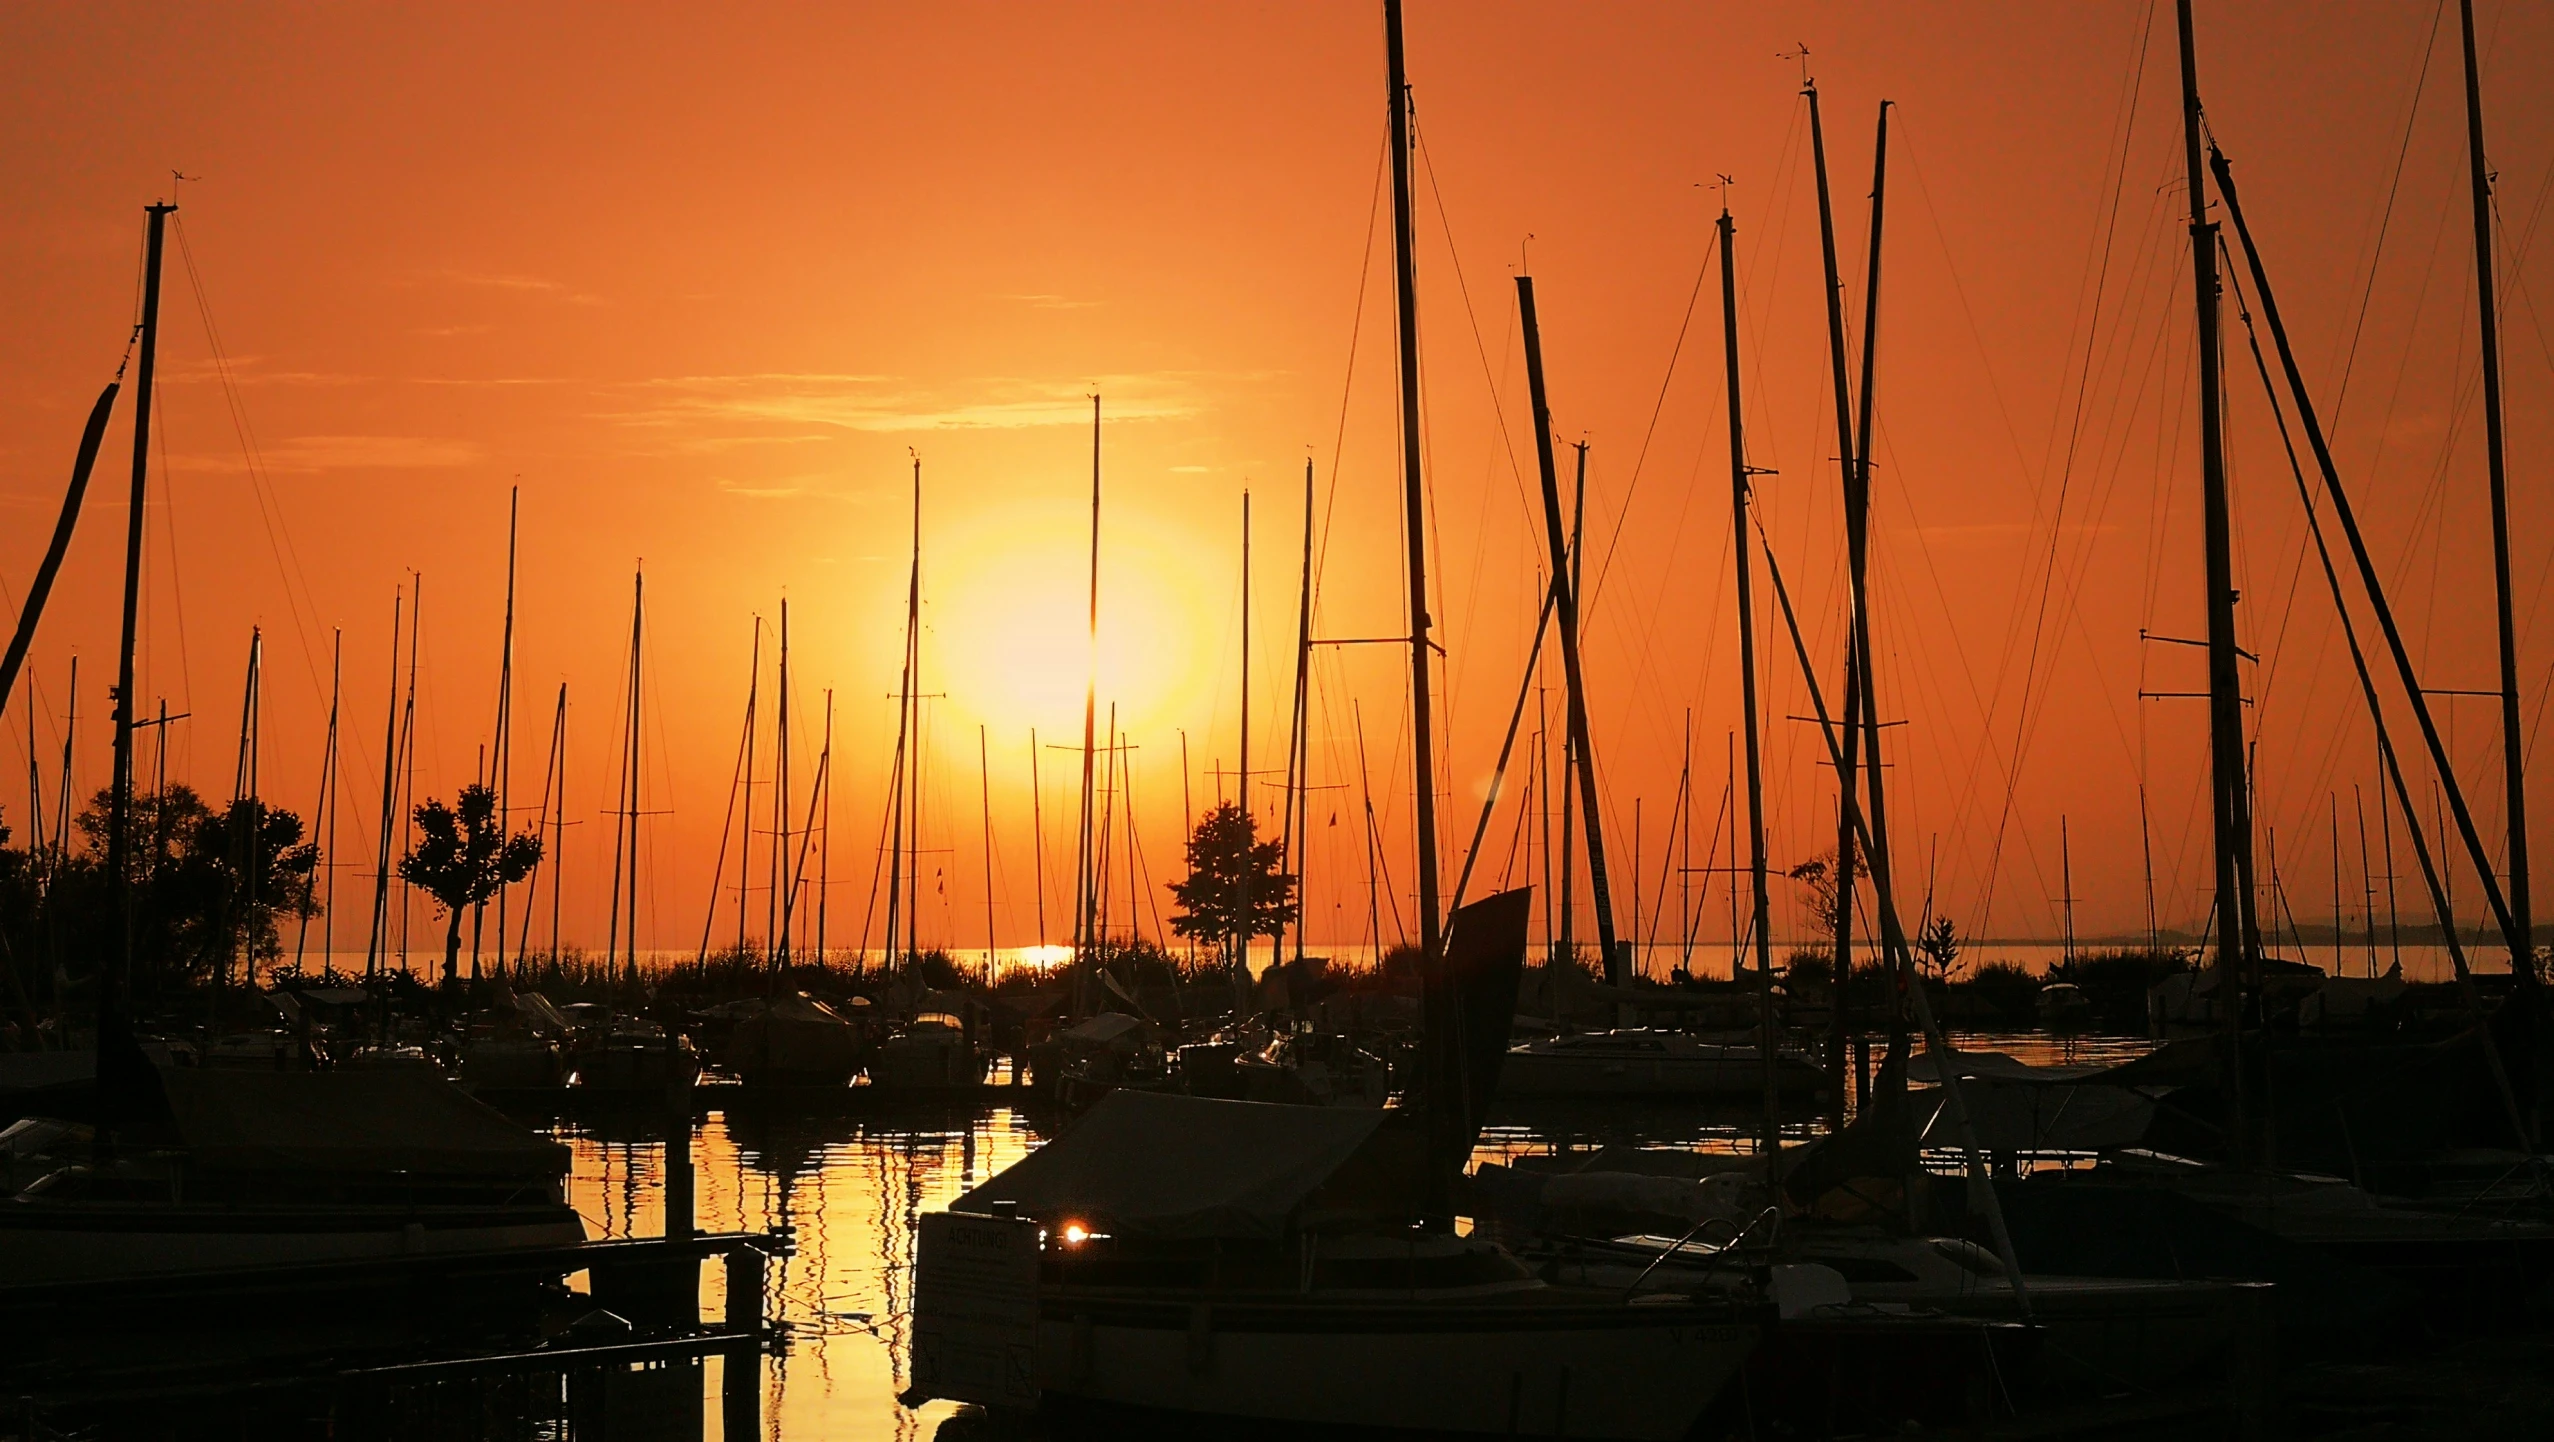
741	1386
2254	1380
678	1143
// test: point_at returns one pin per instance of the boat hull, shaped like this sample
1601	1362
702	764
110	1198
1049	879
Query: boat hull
40	1244
1527	1074
1600	1369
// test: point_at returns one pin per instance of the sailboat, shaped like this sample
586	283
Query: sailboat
1298	1264
933	1050
1234	1259
205	1170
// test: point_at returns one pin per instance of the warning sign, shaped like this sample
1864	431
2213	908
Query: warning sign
975	1309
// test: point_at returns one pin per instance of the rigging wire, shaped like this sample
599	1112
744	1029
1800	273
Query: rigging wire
2127	129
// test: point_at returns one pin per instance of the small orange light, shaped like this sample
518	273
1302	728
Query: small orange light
1074	1235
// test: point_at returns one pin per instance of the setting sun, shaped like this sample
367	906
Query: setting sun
1006	616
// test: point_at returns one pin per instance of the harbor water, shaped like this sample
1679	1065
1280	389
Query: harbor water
853	1187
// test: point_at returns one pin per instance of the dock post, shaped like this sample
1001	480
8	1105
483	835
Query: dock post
741	1386
2253	1366
678	1144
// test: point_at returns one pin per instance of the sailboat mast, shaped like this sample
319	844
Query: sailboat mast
984	780
407	767
2238	934
1565	584
1685	852
776	911
1241	784
2487	297
120	791
913	730
1366	797
544	825
559	819
1414	520
1874	774
325	821
1848	785
743	778
745	842
373	944
638	732
825	828
1084	902
2066	896
1738	488
1299	741
1037	838
504	769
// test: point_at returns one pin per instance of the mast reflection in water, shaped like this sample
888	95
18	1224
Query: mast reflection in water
852	1188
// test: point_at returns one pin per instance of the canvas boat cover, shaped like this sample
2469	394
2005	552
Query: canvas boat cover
1100	1030
389	1120
798	1006
1160	1165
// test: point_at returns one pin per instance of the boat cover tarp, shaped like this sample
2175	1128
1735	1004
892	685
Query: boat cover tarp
1100	1030
2071	1118
1992	1066
390	1120
1155	1164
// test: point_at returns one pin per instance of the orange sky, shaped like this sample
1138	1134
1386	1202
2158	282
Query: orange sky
700	279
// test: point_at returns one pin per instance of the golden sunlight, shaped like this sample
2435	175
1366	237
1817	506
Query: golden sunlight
1006	617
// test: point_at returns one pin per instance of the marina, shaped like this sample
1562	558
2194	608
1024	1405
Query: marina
1433	1052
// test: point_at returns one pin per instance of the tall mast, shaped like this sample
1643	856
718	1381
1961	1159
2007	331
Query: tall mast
1299	739
776	912
913	753
1037	839
2238	933
624	810
984	779
1738	488
373	944
638	733
1848	786
1565	584
2066	893
544	826
244	818
1241	785
1414	509
558	818
825	829
407	767
1874	774
120	790
745	842
2486	294
1084	902
325	822
504	769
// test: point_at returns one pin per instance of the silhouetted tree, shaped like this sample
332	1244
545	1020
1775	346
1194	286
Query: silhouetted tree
208	886
1939	943
461	857
1223	851
1827	895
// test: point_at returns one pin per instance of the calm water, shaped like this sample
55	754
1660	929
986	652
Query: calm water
1708	959
853	1188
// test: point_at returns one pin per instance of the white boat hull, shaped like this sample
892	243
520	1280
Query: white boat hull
1497	1366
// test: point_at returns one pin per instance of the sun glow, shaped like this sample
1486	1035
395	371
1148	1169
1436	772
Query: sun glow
1007	613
